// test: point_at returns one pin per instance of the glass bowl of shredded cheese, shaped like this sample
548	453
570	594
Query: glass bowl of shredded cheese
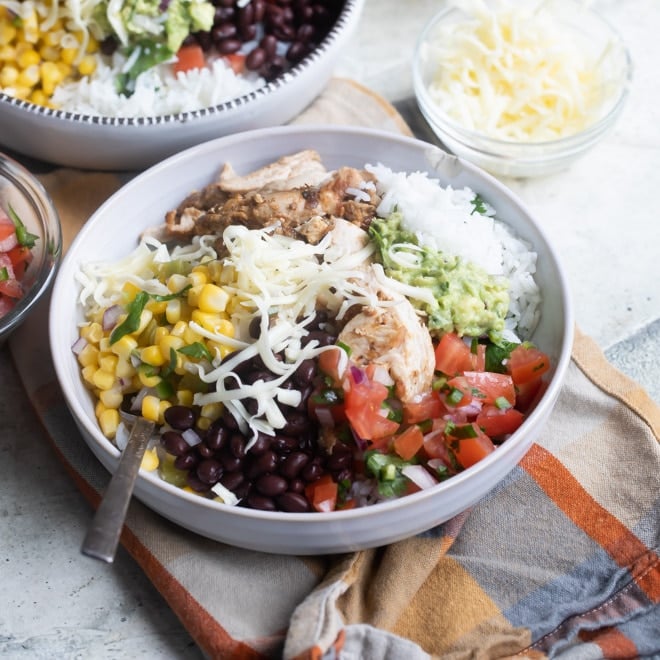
520	90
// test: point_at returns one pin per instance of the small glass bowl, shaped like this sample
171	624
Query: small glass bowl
29	199
528	159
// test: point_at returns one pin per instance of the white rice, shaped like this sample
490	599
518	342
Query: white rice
158	91
443	219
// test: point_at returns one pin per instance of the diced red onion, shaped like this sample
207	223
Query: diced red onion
436	463
111	316
419	475
382	375
8	243
136	404
121	437
191	437
360	443
78	345
358	376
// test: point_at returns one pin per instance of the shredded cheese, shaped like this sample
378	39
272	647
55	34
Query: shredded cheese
513	73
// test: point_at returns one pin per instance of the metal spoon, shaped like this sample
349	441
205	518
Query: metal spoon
103	534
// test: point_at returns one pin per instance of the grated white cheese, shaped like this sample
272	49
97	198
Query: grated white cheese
514	73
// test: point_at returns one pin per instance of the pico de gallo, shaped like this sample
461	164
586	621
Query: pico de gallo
16	244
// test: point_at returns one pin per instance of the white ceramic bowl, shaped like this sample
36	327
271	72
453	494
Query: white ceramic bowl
25	194
587	30
113	232
131	143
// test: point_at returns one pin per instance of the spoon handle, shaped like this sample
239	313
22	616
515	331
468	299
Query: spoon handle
103	534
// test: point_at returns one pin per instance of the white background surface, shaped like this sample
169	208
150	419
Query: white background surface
603	215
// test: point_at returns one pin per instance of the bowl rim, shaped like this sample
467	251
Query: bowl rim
35	194
350	9
493	146
63	357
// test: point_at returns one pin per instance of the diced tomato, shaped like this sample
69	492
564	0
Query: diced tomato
488	386
495	421
426	406
479	358
408	443
528	394
8	238
189	57
470	444
458	392
452	355
236	61
527	363
363	401
6	305
9	285
329	362
20	258
322	494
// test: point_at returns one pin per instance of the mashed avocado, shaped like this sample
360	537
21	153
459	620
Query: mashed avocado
468	300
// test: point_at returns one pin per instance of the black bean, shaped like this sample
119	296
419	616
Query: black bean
209	471
223	14
248	32
255	324
269	44
262	502
204	450
266	462
293	502
217	436
230	463
338	460
243	490
224	30
231	480
305	372
195	483
237	445
260	445
323	338
174	443
296	485
311	472
291	466
259	10
246	15
254	61
296	424
229	46
180	417
305	32
228	420
271	485
283	444
187	461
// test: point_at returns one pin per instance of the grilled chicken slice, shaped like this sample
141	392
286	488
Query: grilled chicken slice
395	338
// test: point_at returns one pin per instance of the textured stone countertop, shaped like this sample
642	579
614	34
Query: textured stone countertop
601	215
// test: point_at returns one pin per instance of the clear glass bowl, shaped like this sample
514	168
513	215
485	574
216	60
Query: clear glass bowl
20	189
505	157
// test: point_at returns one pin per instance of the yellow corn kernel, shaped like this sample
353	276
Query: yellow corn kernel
51	76
8	76
93	45
130	290
212	298
65	69
108	362
88	372
184	397
150	460
203	423
162	407
54	36
7	33
161	331
213	322
21	92
109	421
125	368
104	345
29	77
214	269
111	398
170	343
87	65
156	306
179	329
92	332
49	54
173	311
27	58
193	295
8	54
88	356
145	320
190	336
218	350
211	411
146	376
151	407
152	355
198	277
30	26
68	55
176	282
103	380
124	347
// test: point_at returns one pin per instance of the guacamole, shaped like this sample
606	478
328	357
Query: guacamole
468	300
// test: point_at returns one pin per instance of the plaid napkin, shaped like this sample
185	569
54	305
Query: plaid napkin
560	560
